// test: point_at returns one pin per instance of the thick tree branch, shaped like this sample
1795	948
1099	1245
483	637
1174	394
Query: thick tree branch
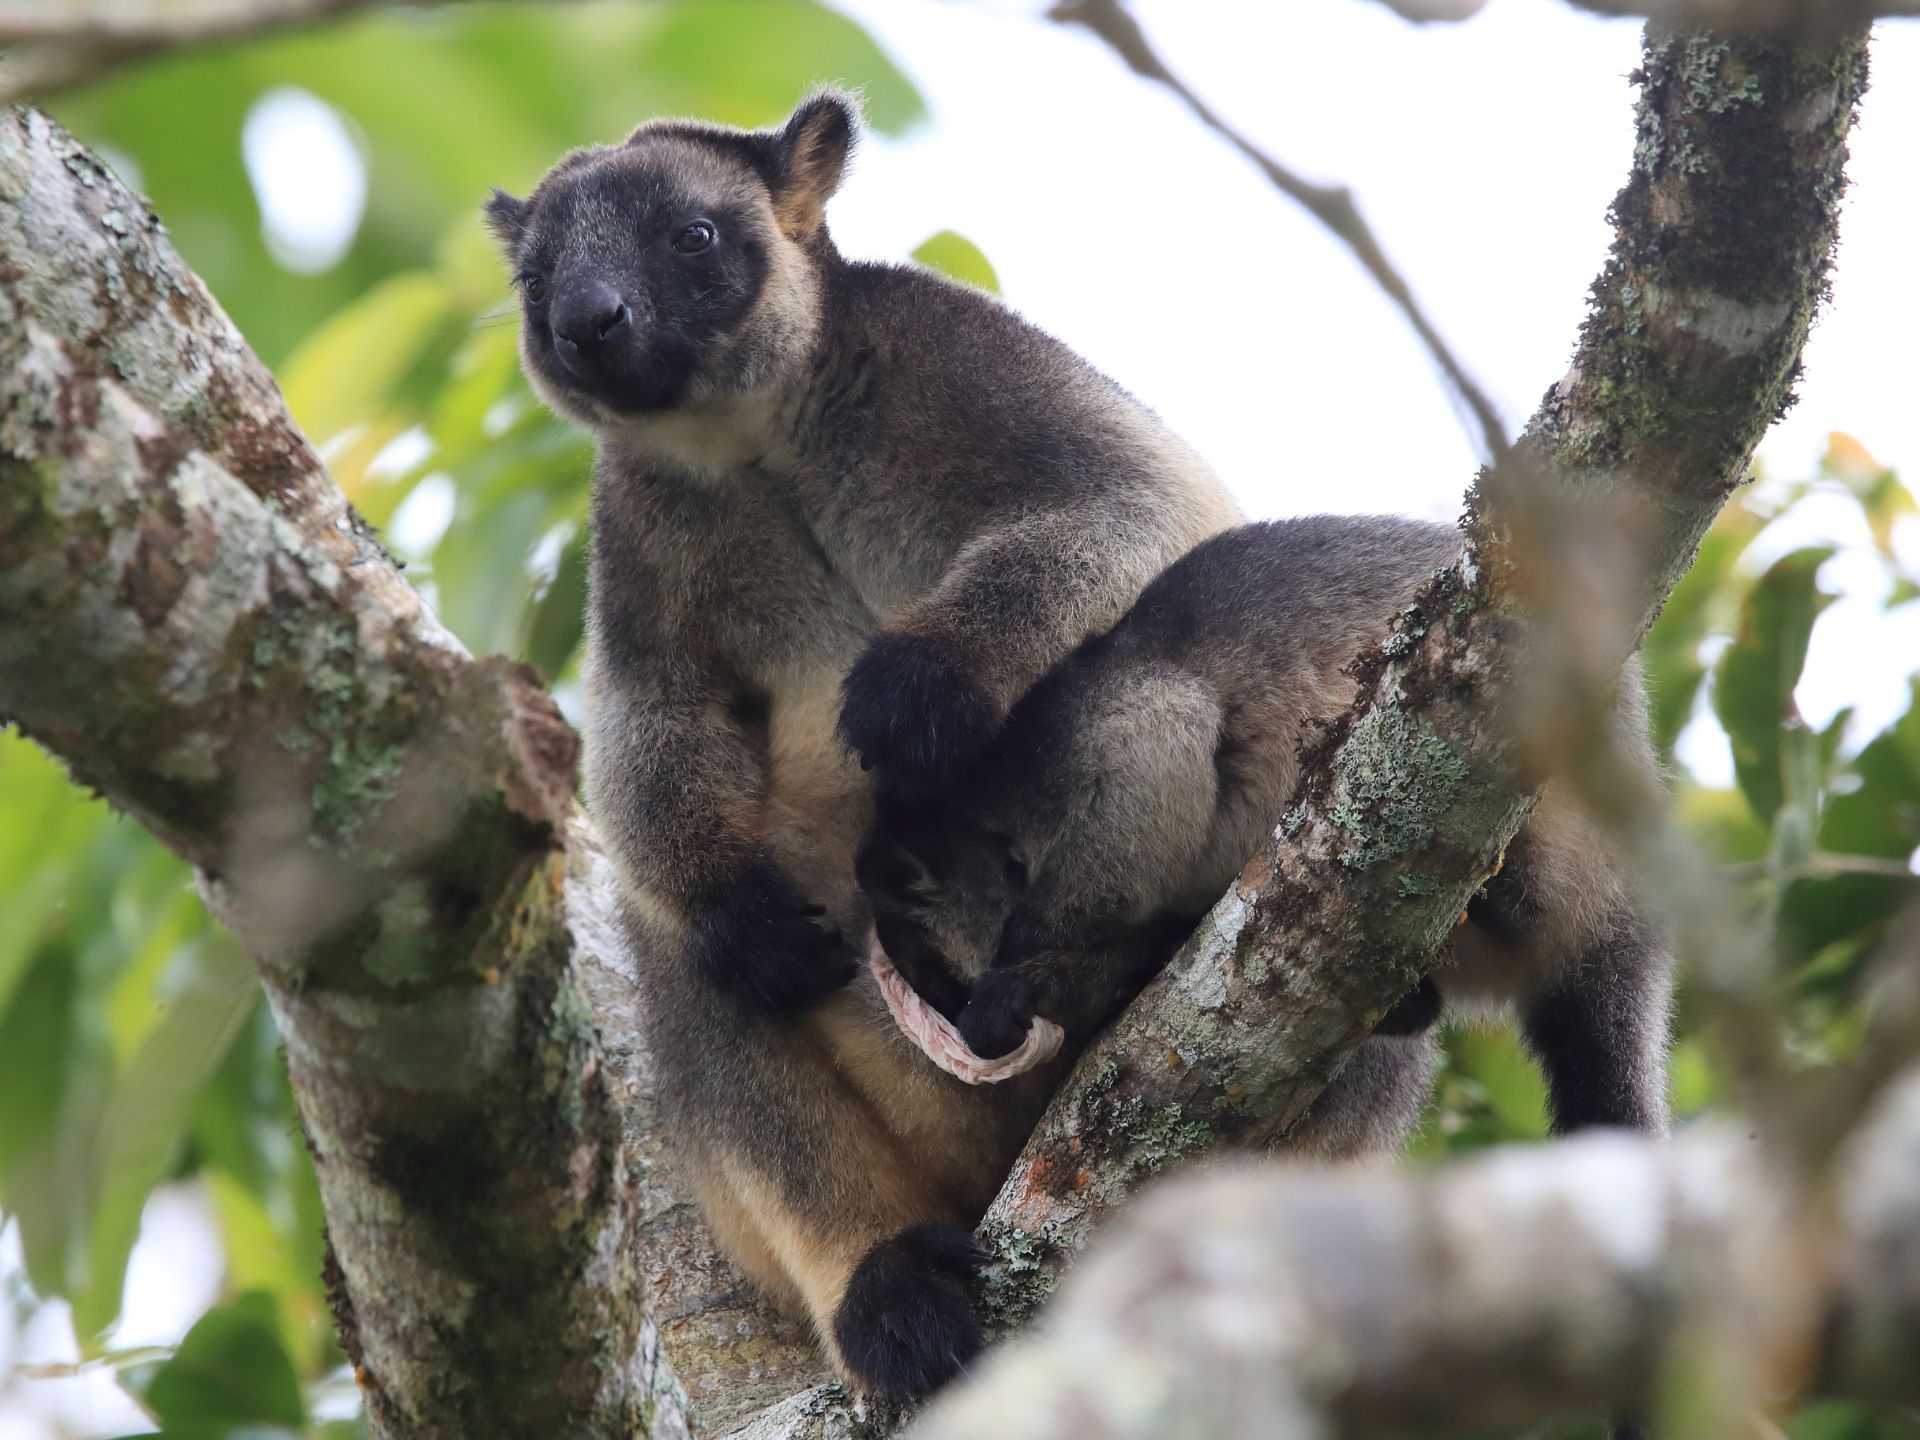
197	623
1484	1298
1723	236
1332	205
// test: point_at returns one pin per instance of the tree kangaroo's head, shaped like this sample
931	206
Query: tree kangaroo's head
943	887
677	270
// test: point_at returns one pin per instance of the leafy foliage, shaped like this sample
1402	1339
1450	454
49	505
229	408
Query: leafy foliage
1819	828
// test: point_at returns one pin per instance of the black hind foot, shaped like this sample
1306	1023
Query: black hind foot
906	1324
1415	1012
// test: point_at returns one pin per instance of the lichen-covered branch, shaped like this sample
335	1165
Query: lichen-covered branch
1723	236
1606	1272
195	621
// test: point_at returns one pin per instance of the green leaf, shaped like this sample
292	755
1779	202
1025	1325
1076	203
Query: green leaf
1883	499
1514	1090
38	1054
1753	686
148	1109
230	1371
558	619
1706	594
1881	815
958	258
346	373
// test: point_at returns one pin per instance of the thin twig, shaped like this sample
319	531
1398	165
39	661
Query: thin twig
1824	864
56	47
1332	205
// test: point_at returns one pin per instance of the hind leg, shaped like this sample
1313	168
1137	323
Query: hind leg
1599	1031
1372	1105
905	1324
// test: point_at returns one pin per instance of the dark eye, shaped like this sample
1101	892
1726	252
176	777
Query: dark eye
694	238
1017	876
534	287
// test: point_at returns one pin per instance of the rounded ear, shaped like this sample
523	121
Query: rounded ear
507	218
812	150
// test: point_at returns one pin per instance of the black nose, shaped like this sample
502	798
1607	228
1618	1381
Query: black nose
587	316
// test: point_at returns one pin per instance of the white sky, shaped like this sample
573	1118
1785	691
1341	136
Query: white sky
1484	155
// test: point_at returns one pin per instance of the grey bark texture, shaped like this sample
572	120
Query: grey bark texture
195	620
192	616
1608	1271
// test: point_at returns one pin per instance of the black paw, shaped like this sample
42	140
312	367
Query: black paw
1415	1012
762	942
913	715
906	1324
996	1018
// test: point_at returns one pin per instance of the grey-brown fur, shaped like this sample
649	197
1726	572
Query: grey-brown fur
843	513
1134	782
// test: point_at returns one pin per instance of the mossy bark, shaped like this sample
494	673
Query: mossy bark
1609	1273
194	619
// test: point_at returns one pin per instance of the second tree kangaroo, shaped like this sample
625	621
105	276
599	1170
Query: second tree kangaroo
1135	781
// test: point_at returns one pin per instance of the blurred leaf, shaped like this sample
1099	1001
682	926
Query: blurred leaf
38	1054
261	1182
1695	1085
1815	912
738	61
559	618
148	1108
1881	816
1514	1089
346	372
1848	1420
229	1371
1753	685
1883	499
958	258
1672	647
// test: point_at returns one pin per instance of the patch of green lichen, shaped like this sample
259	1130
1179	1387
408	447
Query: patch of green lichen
1413	886
1394	777
395	955
443	914
1021	1275
1151	1137
358	746
358	778
516	1200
